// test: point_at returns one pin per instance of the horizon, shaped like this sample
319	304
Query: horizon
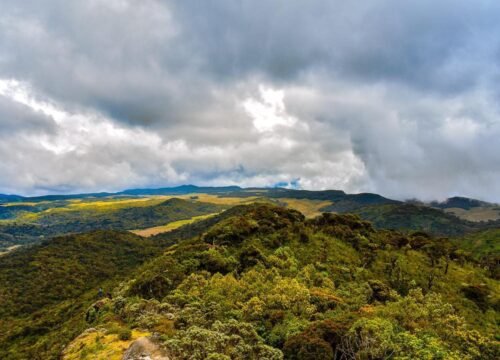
119	192
388	97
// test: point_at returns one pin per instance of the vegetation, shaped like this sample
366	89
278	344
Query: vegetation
27	220
45	289
417	218
481	243
100	345
257	282
477	214
309	208
75	219
155	230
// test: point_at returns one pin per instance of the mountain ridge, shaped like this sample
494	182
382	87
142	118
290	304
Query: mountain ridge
451	202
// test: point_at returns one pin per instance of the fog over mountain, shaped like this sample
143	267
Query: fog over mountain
393	97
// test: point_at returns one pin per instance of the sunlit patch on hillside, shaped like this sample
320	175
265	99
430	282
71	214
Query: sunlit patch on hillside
476	213
310	208
96	344
155	230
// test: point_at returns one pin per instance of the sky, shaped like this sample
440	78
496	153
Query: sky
399	98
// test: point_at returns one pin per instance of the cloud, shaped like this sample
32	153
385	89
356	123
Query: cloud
385	96
269	112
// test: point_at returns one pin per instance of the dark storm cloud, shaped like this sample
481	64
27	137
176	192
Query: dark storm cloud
390	96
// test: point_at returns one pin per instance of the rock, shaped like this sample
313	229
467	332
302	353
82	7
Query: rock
88	331
145	349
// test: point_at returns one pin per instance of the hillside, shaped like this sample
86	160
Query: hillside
460	202
128	218
263	282
484	247
44	289
469	209
47	215
63	219
416	218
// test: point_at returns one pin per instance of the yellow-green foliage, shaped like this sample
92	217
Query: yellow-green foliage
170	226
310	208
263	282
46	290
311	288
100	344
76	218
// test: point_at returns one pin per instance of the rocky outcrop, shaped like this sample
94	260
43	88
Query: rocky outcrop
145	349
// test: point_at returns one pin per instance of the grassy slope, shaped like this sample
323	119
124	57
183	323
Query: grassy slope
155	230
477	213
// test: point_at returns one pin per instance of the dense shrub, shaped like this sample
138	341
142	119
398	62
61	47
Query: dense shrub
124	334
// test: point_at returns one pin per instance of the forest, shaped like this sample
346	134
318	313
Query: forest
257	281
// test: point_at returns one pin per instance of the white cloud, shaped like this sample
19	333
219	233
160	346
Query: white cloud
111	94
269	111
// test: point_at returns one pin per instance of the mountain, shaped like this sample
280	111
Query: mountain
18	198
236	191
181	190
178	190
255	282
10	198
454	217
461	203
470	209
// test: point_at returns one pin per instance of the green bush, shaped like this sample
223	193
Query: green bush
124	334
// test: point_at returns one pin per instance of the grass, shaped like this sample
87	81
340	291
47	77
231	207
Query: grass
24	203
99	345
116	204
476	214
105	204
9	249
101	205
215	199
310	208
170	226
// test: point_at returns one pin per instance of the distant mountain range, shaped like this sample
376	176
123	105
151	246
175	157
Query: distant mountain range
178	190
27	219
345	201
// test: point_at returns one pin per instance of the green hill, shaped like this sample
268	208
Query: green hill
128	218
461	203
258	282
63	221
45	288
416	218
